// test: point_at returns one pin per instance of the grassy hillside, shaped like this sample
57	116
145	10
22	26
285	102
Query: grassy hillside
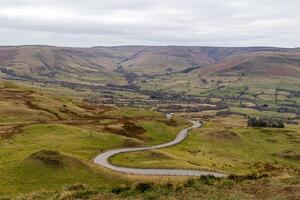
235	188
226	144
48	142
275	63
85	66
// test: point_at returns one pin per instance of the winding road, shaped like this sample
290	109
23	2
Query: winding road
102	159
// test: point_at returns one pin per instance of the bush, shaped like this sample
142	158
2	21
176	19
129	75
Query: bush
264	122
246	177
121	189
143	187
208	180
189	182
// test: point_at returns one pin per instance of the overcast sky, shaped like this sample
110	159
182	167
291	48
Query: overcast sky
150	22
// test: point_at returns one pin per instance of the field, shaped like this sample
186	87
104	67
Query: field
226	144
234	89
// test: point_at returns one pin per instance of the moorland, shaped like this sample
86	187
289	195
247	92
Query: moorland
60	107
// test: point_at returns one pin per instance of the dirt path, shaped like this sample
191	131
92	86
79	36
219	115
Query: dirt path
102	159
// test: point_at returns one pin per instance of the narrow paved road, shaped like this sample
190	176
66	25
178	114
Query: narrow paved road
102	159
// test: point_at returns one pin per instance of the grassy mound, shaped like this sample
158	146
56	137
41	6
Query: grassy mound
128	129
50	170
53	159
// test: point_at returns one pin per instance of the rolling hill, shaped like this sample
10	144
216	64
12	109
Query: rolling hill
267	63
98	64
161	72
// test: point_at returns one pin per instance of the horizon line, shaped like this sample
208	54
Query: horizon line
145	45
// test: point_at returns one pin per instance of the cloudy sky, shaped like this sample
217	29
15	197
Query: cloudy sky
150	22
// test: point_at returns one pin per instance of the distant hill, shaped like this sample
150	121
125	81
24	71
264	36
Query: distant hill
45	62
98	65
262	63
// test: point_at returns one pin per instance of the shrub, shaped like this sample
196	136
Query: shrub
143	187
189	182
264	122
208	180
121	189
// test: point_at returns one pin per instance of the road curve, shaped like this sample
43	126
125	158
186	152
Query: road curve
102	159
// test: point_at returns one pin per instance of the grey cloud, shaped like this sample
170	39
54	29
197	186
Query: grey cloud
175	22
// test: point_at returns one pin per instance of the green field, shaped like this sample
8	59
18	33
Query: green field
227	145
233	89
